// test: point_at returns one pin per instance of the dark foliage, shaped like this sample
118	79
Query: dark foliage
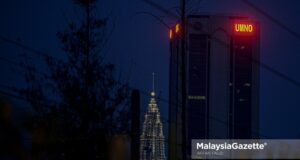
79	105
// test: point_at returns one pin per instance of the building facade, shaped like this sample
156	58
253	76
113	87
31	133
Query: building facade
222	79
152	140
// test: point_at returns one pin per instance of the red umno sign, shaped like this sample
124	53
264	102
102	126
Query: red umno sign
246	28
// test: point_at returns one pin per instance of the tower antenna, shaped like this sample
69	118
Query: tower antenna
153	85
153	81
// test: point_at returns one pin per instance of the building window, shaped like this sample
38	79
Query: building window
247	84
197	97
242	100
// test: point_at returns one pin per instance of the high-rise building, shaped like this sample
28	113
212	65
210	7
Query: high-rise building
152	140
222	80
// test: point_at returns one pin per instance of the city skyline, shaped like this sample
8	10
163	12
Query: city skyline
52	61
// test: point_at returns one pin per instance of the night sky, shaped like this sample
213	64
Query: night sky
139	45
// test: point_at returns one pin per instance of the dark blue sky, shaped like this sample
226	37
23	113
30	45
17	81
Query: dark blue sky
139	46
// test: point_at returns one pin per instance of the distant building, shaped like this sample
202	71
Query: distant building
152	141
222	80
135	125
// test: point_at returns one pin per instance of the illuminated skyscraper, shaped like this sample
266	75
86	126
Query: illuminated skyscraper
152	141
222	81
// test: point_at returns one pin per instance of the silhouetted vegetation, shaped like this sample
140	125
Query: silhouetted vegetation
79	106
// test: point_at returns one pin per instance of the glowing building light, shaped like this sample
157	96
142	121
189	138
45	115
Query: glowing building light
171	34
241	27
177	28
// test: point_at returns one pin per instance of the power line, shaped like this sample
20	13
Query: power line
131	88
164	100
274	20
274	71
211	117
173	15
263	65
22	66
160	8
143	92
258	62
27	48
270	69
154	16
13	95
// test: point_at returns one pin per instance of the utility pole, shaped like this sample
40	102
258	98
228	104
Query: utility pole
183	87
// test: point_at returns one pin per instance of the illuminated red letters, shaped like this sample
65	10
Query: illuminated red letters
240	27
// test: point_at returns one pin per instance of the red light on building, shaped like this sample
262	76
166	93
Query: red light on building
243	28
177	28
171	34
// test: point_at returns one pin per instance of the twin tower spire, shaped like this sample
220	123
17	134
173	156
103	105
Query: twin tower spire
153	85
152	140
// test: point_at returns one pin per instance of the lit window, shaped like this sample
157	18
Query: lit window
197	97
171	34
177	28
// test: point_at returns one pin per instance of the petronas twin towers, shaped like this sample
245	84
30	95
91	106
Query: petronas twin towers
152	141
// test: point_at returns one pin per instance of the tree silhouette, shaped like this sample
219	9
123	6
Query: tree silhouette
79	105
